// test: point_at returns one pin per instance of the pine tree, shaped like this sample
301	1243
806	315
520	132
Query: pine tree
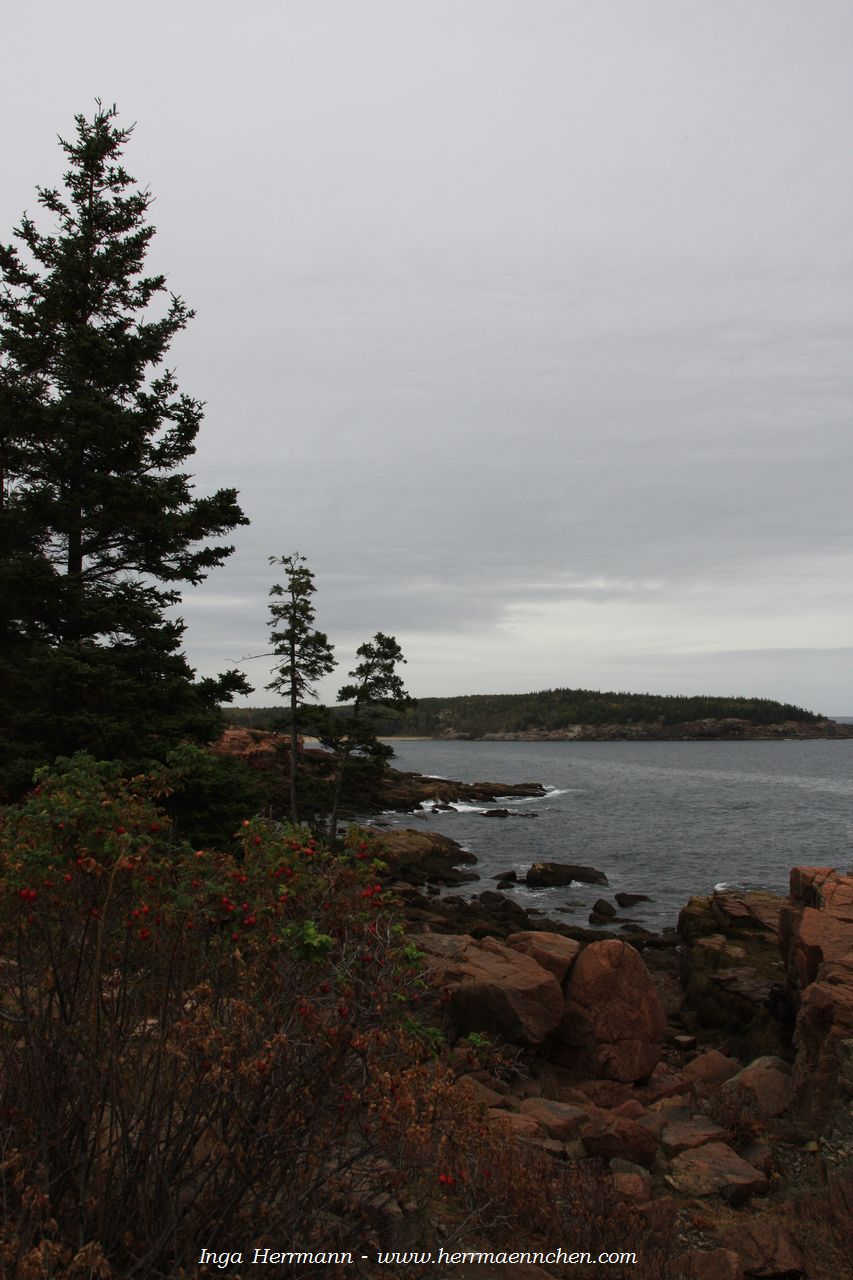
375	686
305	652
98	522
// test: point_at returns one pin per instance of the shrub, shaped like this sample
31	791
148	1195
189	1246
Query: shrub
199	1047
191	1040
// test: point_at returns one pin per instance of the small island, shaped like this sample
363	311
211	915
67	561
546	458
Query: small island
584	715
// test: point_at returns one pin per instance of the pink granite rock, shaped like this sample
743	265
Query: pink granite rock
559	1120
684	1135
715	1170
765	1246
766	1083
550	950
614	1135
710	1068
613	1023
493	988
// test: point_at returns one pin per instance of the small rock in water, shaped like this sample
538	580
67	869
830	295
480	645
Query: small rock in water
629	899
547	875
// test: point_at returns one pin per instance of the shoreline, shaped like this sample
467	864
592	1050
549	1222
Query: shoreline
689	731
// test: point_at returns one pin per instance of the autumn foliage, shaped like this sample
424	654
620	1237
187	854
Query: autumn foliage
198	1047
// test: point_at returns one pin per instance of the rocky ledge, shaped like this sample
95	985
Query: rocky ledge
725	1102
730	729
407	791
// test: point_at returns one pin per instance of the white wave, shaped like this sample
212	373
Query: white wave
725	886
461	806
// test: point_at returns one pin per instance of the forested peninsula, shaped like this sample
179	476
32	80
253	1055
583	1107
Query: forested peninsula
587	715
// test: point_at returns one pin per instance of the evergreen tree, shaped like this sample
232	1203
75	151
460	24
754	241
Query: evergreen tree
305	652
98	522
375	687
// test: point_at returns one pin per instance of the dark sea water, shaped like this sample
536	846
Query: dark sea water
669	819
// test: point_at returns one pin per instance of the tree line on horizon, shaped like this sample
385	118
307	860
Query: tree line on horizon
554	709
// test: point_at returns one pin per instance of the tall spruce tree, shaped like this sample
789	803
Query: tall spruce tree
305	653
98	521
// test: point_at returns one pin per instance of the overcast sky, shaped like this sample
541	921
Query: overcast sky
529	323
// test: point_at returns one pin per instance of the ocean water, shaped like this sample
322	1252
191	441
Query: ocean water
668	819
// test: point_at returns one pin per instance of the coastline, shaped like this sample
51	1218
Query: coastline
727	730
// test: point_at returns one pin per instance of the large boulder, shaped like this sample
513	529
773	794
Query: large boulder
613	1023
765	1085
547	875
493	988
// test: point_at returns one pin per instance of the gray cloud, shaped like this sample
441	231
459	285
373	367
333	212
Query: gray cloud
528	324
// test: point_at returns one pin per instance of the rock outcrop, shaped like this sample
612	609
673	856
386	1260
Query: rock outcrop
425	857
613	1024
694	1129
817	942
732	971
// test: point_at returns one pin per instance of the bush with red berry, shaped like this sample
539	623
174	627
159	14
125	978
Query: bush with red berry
199	1046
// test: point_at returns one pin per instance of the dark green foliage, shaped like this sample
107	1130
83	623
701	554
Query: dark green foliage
549	709
98	522
256	717
376	687
210	796
557	708
305	653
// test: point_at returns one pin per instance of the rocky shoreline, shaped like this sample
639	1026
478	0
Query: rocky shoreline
708	1070
726	730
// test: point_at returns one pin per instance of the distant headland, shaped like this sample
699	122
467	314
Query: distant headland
563	715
